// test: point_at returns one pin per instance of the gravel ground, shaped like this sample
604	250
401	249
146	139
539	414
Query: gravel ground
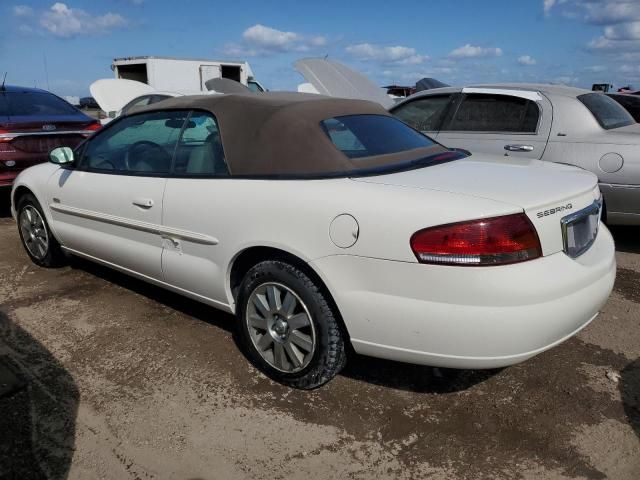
121	380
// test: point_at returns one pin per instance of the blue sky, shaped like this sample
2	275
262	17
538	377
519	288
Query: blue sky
562	41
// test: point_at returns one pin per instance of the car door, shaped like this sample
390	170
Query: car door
195	253
426	113
501	122
109	205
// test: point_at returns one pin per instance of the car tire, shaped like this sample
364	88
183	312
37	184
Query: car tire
36	237
301	346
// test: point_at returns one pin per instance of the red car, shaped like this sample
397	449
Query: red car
34	122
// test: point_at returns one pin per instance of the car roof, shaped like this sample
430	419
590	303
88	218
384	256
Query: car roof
547	89
276	133
15	88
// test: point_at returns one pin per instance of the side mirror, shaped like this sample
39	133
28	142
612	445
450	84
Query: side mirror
61	156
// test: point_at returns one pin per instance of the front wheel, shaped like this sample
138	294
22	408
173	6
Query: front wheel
35	234
287	326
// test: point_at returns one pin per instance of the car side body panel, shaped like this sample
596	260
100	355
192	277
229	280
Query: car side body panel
296	216
574	137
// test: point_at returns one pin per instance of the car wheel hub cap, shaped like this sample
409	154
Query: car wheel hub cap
34	232
280	327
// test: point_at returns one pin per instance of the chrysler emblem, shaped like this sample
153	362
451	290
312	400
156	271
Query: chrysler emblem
48	127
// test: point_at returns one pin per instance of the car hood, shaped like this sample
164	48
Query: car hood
337	80
114	93
527	184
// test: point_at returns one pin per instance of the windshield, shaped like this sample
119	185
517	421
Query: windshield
361	136
34	104
606	111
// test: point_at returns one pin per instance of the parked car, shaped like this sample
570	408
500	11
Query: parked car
321	222
630	102
33	122
548	122
88	102
118	97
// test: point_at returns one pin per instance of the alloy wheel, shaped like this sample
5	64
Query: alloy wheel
280	327
34	232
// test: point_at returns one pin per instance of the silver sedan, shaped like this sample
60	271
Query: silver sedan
549	122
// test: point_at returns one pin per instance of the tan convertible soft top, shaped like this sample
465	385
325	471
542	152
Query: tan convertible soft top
280	133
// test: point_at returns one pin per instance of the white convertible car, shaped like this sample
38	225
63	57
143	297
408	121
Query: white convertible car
323	222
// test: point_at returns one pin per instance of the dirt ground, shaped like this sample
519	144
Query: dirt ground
121	380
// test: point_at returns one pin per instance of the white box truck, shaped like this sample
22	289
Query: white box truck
181	74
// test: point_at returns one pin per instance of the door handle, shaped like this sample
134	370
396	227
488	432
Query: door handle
143	202
519	148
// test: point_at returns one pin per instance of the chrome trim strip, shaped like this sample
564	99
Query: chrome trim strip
53	133
136	224
595	207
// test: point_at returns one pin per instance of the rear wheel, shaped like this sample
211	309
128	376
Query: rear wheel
36	236
287	326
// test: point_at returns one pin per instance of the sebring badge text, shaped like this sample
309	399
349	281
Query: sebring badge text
553	211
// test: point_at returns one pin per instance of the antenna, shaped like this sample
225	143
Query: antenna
46	70
3	80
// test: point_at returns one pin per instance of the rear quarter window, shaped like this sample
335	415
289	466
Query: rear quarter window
481	112
360	136
608	113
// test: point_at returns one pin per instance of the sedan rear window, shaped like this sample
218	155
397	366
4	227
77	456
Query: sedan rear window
631	104
361	136
34	104
606	111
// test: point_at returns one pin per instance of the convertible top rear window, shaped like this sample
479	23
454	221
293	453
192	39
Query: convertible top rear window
609	113
359	136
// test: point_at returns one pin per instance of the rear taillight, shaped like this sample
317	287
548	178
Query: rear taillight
489	241
93	126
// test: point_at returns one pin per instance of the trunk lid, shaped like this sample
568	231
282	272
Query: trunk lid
55	123
546	192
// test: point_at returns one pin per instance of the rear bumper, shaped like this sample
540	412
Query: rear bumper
469	317
22	161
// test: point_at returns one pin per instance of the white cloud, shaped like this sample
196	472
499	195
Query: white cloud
548	5
633	69
620	21
63	21
623	31
596	68
599	12
613	46
565	80
470	51
606	12
262	39
22	11
393	54
526	60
